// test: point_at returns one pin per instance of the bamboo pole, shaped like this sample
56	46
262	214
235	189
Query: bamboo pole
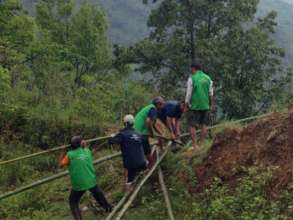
237	121
49	151
64	173
125	197
119	205
107	137
165	192
139	186
51	178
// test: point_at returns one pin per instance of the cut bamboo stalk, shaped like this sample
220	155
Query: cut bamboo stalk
165	192
139	186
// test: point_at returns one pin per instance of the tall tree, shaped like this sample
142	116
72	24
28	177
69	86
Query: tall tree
16	35
54	16
89	50
224	35
78	38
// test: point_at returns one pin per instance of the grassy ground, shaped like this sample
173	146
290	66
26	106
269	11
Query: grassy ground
49	201
247	201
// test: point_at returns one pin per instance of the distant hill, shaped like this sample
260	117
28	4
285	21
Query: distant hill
128	18
284	31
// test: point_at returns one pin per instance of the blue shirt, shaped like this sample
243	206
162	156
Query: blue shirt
152	114
131	147
171	109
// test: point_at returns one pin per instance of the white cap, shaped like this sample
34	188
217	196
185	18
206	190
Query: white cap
129	119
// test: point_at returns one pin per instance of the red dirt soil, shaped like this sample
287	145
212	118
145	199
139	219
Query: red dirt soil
264	143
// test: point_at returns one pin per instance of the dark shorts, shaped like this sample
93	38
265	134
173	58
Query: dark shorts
132	172
146	145
198	117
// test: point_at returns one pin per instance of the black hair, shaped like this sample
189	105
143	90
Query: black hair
196	66
157	100
75	142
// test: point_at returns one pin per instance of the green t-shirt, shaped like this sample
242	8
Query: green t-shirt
81	169
200	91
140	120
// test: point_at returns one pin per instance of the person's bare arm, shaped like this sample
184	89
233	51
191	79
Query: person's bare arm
149	123
212	97
63	159
116	139
212	105
188	93
84	144
177	128
170	126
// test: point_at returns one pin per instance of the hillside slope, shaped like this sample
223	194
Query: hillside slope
245	174
235	178
267	142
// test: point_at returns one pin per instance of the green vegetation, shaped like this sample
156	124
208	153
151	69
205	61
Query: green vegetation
127	20
56	72
60	77
57	79
235	50
51	200
248	200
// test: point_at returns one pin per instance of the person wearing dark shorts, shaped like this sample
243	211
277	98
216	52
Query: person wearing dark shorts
199	100
144	125
82	175
198	117
131	145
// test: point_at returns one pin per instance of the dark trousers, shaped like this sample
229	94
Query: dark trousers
75	197
132	172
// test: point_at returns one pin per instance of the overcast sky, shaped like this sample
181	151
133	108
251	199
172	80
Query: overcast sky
289	1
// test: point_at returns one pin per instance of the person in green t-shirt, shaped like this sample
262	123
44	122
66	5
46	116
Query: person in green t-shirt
144	124
79	161
199	100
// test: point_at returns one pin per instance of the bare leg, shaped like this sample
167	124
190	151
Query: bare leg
151	160
161	143
125	180
192	131
128	187
203	134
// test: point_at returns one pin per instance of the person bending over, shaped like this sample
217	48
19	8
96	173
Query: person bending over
82	175
132	151
144	125
170	115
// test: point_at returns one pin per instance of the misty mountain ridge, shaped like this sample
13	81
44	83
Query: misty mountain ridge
128	20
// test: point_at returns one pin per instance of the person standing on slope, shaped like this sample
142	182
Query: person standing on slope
132	151
82	174
144	125
199	100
